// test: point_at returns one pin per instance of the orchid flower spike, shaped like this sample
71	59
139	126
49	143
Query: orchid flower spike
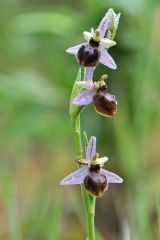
94	51
103	102
92	175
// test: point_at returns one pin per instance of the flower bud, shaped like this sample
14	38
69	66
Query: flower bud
113	23
105	103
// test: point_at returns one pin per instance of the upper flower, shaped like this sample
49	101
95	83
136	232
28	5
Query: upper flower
93	52
94	177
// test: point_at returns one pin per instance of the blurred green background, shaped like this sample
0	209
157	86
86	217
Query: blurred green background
36	141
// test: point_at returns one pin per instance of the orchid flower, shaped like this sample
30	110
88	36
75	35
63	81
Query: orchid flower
96	93
94	51
92	175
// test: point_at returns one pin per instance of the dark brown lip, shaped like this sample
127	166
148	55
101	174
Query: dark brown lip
88	56
105	103
96	183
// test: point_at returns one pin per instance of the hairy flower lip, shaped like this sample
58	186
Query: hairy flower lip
89	54
105	104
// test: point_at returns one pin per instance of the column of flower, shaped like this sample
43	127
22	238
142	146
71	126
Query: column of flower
93	178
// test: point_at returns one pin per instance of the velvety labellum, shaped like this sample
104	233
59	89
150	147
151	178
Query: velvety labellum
95	183
105	103
88	55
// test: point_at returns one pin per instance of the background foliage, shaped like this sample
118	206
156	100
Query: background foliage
36	142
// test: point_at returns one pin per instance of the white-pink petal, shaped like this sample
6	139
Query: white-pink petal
111	177
76	177
104	24
89	74
74	50
91	149
84	98
107	60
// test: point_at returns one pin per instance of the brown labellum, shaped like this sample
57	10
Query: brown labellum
105	103
88	55
95	183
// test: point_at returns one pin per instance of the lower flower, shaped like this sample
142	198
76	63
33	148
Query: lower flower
92	175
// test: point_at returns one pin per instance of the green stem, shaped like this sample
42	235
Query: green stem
90	216
88	200
77	135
